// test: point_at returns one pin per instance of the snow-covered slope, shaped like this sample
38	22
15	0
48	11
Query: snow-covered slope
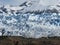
32	6
41	5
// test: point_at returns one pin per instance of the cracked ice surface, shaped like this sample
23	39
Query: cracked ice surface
30	25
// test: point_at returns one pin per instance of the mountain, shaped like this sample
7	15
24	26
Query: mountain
34	6
41	5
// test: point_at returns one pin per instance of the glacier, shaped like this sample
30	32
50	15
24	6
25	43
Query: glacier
32	19
30	25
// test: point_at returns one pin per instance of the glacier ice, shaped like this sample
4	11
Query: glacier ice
31	25
45	23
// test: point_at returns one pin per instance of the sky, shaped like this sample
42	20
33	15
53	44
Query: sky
18	2
11	2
